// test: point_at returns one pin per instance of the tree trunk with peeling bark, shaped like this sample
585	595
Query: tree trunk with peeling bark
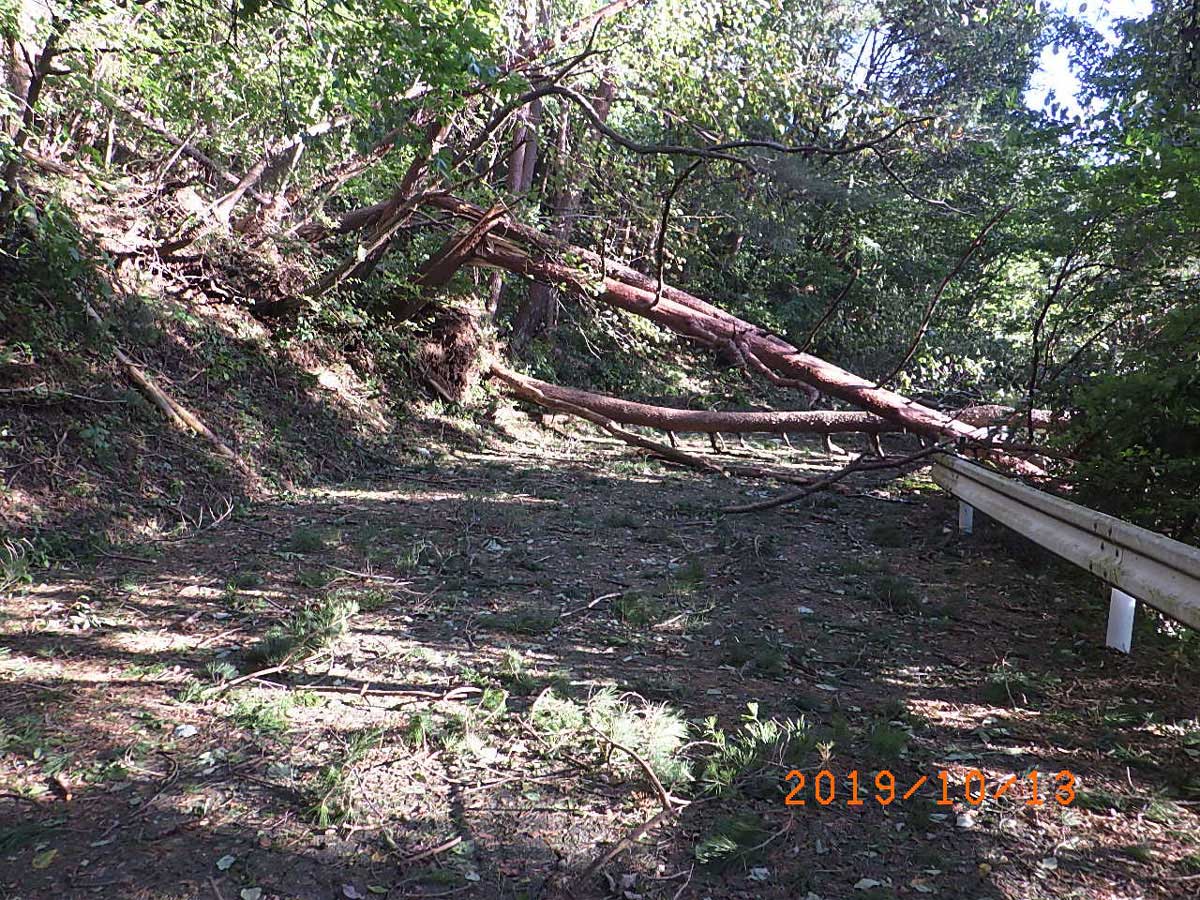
666	418
688	315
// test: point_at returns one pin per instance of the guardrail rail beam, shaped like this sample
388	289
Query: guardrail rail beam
1135	562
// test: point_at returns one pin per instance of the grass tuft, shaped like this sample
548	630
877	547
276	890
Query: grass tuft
332	793
897	593
313	629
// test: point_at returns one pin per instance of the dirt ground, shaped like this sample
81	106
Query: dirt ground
513	642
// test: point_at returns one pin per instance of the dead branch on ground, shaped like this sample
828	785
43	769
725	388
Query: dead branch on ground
858	465
179	415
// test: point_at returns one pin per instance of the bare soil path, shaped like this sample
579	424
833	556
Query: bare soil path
515	625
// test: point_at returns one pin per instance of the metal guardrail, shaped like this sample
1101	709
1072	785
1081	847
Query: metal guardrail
1137	563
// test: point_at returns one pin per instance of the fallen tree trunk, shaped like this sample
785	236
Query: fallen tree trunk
530	389
762	351
667	418
530	392
698	420
688	315
178	414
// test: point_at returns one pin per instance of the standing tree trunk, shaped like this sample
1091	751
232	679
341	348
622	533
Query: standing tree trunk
42	66
523	157
18	51
539	312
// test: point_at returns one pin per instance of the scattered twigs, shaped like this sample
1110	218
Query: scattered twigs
46	394
579	27
634	835
369	576
145	807
176	413
858	465
596	601
417	857
664	797
460	692
252	676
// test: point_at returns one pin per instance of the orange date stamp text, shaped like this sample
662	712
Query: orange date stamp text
885	788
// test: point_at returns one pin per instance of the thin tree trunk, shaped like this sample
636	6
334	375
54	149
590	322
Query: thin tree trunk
37	79
766	353
539	312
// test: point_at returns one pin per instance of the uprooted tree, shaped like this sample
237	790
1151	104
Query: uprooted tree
866	183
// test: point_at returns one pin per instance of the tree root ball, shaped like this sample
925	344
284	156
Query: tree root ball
450	353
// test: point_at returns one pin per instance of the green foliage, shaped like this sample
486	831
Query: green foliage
332	792
308	540
47	269
896	592
755	751
887	741
312	630
17	558
262	715
1137	432
734	840
655	732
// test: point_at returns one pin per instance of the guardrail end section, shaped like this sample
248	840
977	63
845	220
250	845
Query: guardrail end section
1121	608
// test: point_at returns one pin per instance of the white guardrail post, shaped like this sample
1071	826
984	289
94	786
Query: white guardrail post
966	517
1133	561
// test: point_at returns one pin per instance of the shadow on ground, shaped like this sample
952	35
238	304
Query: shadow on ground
508	605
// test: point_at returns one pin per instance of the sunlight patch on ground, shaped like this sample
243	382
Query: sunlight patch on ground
351	393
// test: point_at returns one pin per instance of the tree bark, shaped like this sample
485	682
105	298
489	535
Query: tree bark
671	419
667	418
436	271
539	312
28	100
767	353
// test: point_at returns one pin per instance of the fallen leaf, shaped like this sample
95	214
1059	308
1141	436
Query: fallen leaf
43	859
226	861
865	884
251	893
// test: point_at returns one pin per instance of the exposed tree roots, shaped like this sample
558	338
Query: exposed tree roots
685	314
